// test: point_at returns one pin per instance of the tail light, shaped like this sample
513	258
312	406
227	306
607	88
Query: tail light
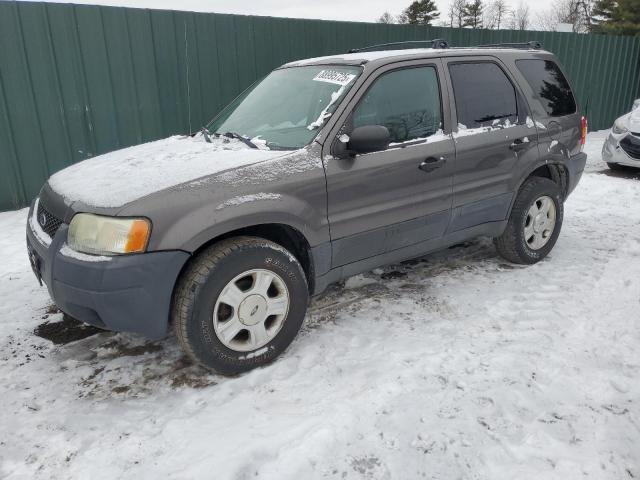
583	131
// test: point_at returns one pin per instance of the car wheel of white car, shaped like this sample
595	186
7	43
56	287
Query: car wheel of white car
534	223
239	304
616	166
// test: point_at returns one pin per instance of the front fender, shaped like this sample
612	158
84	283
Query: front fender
210	221
289	190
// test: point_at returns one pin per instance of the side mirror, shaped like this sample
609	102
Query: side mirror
369	138
636	103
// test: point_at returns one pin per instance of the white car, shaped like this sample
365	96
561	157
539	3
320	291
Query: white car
622	147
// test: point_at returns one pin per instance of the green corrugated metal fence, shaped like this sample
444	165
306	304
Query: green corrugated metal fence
78	81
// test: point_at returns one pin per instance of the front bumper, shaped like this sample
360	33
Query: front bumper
129	293
612	152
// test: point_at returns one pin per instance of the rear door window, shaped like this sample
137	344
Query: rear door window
484	95
405	101
549	85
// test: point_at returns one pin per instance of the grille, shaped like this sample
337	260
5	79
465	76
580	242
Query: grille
631	145
49	222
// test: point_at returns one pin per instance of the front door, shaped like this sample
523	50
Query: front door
386	200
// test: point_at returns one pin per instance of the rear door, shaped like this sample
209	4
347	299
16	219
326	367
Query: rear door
383	201
494	137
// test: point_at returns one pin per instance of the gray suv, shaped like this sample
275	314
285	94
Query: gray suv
326	168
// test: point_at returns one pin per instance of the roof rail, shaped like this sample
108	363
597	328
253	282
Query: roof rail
436	43
534	44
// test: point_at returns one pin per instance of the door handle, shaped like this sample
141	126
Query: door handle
518	144
432	163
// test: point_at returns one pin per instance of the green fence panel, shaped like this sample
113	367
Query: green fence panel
80	80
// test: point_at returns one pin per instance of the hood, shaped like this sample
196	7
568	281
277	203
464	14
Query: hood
120	177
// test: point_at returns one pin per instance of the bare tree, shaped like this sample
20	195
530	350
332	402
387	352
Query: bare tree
497	13
520	17
577	13
585	7
450	15
456	12
547	20
386	17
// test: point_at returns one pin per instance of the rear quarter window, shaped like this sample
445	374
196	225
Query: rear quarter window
549	86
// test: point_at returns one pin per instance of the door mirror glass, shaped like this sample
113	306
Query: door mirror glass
369	138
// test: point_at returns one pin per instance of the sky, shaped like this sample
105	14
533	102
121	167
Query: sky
323	9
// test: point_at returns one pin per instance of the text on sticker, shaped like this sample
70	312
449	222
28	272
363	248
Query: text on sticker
332	76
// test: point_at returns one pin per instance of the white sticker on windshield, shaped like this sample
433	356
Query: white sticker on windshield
335	77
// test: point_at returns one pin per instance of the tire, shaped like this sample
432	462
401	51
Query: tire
616	167
212	277
513	244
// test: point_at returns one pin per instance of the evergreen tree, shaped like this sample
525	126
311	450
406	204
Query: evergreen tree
473	14
602	13
422	12
628	17
620	17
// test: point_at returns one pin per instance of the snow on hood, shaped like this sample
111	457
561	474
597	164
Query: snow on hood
120	177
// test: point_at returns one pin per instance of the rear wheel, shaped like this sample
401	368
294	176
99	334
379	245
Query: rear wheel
239	304
534	223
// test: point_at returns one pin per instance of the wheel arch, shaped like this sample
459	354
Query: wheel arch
556	171
553	170
283	234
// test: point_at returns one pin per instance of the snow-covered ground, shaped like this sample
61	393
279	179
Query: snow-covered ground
456	365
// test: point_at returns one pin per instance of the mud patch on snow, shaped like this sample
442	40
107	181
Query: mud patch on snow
138	371
393	274
340	298
66	331
366	466
123	350
51	310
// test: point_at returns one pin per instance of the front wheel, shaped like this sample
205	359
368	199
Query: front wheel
534	223
239	304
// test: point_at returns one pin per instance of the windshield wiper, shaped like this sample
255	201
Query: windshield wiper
244	140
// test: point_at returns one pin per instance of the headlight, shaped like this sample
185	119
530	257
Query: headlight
101	235
619	128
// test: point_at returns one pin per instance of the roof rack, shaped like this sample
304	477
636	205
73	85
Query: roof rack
534	44
437	43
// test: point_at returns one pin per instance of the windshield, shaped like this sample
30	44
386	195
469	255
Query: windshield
287	107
